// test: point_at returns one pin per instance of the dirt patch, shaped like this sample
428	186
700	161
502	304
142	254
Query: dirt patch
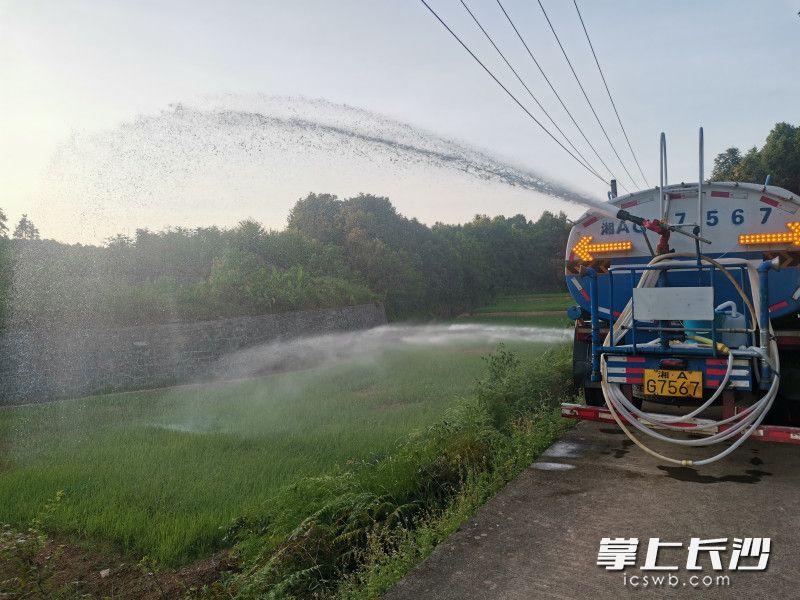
70	570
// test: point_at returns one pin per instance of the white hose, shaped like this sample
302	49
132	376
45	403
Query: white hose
744	423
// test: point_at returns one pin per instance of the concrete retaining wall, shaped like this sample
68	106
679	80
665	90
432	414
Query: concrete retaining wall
37	366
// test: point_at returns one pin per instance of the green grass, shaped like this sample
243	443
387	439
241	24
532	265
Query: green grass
558	302
392	553
163	473
528	302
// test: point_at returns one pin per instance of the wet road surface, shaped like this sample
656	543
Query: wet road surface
540	536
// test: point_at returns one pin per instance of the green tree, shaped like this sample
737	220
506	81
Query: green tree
725	163
248	236
26	230
781	156
778	157
3	225
752	168
316	216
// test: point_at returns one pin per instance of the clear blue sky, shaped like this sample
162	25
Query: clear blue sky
87	66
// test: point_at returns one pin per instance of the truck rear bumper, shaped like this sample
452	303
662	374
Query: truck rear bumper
765	433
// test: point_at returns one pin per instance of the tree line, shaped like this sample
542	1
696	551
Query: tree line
333	252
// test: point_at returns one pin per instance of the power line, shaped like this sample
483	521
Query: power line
585	95
564	106
605	83
505	89
530	93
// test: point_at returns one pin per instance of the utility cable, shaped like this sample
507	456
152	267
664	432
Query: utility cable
583	90
527	89
558	96
613	104
506	90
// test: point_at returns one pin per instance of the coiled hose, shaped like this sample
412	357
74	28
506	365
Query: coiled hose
742	424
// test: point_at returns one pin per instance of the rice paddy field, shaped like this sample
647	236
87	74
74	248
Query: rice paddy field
529	310
556	301
164	473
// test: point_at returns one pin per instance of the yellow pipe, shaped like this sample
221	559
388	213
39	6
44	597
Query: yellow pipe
706	341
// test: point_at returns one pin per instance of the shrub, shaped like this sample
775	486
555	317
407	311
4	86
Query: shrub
510	388
27	557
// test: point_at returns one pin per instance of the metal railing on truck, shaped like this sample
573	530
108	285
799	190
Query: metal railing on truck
667	332
770	433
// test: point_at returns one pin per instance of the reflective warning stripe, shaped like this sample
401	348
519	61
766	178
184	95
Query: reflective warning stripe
638	380
615	358
778	306
734	383
734	372
785	207
737	362
770	201
721	194
630	370
580	289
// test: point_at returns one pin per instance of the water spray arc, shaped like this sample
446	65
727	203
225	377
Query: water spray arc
240	144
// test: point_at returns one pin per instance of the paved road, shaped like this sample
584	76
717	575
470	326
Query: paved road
539	537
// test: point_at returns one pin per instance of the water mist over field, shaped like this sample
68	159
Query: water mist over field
218	161
371	344
431	361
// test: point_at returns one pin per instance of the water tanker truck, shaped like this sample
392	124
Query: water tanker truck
686	318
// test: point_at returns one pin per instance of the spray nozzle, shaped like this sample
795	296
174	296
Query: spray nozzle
651	224
626	216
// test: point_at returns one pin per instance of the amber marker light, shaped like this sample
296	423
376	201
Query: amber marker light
585	250
787	237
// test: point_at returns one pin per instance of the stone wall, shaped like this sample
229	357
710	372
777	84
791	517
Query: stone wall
37	366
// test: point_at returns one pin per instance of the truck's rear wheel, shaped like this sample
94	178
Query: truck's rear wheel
786	410
594	396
